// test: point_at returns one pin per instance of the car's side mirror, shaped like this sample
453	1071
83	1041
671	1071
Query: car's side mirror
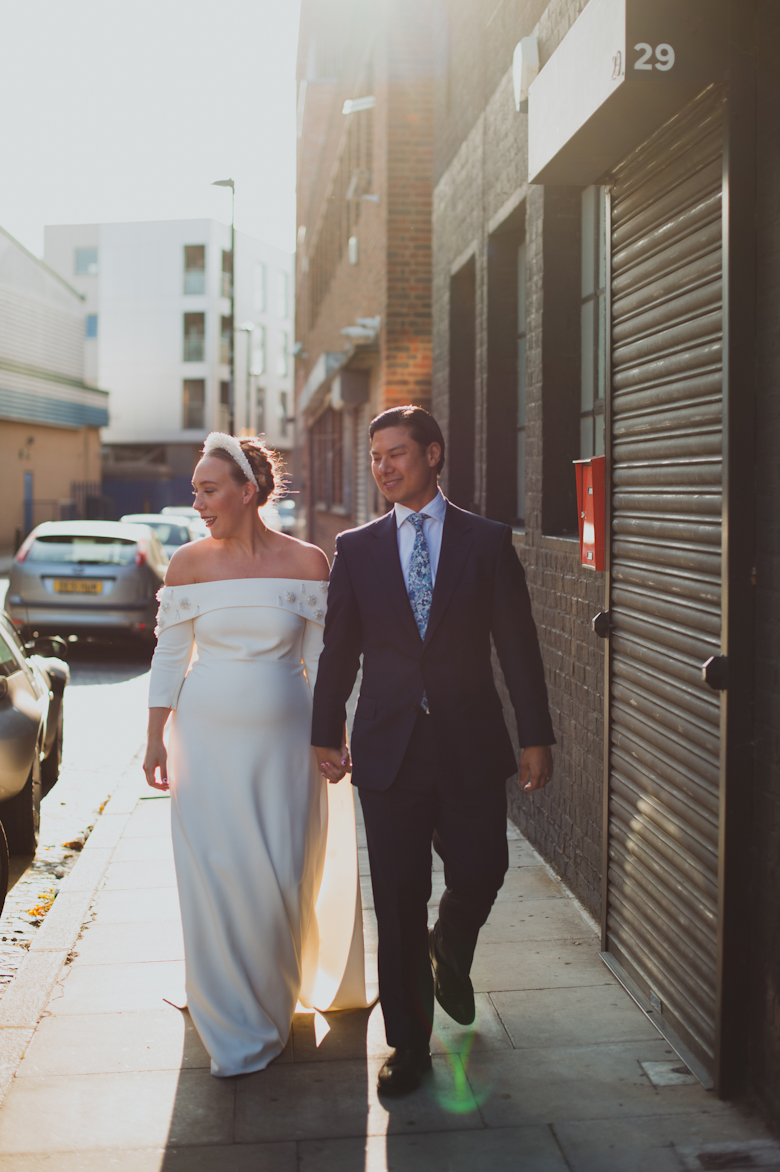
48	646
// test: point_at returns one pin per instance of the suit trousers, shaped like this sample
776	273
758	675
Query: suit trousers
468	832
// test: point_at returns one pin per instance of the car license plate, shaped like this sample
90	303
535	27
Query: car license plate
78	586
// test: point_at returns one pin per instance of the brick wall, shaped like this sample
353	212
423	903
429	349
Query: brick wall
387	51
481	193
765	997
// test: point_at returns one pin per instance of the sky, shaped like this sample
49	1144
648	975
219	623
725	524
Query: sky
128	109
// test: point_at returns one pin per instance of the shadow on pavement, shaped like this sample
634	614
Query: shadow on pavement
103	661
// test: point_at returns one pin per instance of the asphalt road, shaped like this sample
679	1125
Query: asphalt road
105	723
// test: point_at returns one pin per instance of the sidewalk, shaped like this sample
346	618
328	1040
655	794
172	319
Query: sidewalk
556	1077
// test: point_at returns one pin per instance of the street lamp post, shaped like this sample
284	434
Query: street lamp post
248	328
232	385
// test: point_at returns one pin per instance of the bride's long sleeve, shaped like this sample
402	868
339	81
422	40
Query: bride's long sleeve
170	662
311	651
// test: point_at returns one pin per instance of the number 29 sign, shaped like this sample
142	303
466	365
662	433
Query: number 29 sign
660	57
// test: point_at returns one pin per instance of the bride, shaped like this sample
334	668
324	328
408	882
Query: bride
265	849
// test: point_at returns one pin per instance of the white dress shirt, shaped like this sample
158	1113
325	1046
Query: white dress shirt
433	527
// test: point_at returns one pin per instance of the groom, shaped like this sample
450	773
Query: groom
419	593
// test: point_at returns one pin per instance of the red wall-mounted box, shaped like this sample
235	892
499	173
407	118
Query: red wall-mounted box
591	510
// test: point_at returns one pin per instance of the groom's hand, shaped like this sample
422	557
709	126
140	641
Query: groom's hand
536	766
332	762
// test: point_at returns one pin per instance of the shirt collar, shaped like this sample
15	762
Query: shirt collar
435	509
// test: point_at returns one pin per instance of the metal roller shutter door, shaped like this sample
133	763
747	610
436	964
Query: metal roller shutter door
665	568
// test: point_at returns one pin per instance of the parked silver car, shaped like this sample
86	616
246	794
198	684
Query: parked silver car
172	532
32	684
87	578
191	515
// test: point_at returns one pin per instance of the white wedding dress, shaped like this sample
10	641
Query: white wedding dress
265	849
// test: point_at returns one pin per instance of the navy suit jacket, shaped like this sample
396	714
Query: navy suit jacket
480	591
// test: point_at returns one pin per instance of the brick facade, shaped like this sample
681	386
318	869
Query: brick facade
385	53
482	202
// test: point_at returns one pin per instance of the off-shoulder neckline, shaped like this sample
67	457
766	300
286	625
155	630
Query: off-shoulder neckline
225	581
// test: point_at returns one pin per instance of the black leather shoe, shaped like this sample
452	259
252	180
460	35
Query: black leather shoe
454	994
401	1072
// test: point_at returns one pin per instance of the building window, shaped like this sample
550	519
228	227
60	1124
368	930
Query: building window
194	268
227	273
86	262
194	337
223	415
90	325
193	401
327	441
260	287
521	356
593	323
282	358
282	296
283	413
258	358
225	336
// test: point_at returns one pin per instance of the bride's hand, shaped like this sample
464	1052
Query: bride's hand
345	757
156	758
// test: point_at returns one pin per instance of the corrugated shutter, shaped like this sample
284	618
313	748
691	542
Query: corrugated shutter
665	568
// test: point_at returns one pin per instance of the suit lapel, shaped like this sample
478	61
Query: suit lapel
456	540
385	551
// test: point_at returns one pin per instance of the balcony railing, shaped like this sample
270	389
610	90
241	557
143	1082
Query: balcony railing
223	417
227	285
195	281
194	348
224	351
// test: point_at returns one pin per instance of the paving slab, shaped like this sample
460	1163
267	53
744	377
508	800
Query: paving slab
534	1018
213	1158
135	875
131	850
650	1145
530	1149
139	907
559	1084
113	1043
537	964
312	1101
105	942
103	988
517	921
138	1110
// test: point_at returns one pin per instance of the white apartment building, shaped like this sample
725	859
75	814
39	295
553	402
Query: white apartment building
157	336
49	417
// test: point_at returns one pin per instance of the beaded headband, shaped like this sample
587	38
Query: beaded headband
218	439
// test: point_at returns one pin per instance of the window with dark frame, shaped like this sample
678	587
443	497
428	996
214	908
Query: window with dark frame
521	357
193	403
327	440
194	337
593	322
194	268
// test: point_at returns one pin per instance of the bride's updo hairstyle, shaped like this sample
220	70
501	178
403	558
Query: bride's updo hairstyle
266	464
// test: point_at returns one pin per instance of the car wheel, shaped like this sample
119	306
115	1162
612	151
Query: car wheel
51	764
21	815
4	868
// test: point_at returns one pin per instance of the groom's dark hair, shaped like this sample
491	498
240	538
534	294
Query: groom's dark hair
421	425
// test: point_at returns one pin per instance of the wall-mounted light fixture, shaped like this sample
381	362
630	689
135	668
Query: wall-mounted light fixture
525	66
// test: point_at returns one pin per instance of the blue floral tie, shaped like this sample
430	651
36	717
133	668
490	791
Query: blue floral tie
420	580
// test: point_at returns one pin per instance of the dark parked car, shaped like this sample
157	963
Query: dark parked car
32	686
87	578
